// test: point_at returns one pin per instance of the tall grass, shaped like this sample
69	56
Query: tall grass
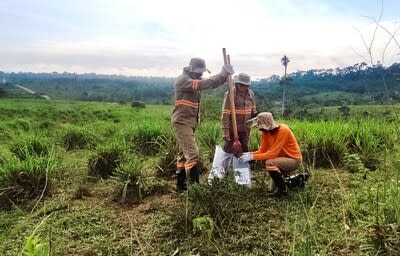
169	150
209	135
78	138
106	159
31	145
136	180
325	143
339	212
26	178
145	134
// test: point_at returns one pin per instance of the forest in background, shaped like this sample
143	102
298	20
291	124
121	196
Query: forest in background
353	85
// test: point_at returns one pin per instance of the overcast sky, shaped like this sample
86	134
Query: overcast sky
158	37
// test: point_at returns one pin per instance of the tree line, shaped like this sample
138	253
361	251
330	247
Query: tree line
357	84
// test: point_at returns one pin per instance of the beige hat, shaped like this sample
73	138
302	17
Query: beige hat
197	65
263	120
242	78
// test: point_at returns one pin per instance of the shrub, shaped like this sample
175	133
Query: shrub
138	104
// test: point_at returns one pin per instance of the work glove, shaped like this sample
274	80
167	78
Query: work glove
245	157
227	70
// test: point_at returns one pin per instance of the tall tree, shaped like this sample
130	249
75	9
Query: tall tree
285	61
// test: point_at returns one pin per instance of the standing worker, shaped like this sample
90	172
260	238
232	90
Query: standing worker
278	147
186	116
245	109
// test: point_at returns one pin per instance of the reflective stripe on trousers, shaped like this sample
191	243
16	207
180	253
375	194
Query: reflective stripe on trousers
189	152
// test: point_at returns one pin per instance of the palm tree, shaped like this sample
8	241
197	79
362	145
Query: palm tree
285	60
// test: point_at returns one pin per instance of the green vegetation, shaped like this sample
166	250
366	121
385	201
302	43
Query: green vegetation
85	178
359	84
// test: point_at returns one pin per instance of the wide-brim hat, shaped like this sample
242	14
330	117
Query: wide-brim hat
263	120
242	78
197	65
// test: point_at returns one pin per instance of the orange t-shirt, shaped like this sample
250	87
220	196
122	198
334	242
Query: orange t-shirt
282	143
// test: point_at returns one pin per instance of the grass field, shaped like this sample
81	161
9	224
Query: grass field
80	178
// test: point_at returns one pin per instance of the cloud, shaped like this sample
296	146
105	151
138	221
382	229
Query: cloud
158	38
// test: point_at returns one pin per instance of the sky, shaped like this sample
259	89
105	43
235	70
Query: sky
158	37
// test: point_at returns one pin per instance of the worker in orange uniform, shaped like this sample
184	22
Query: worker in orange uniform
245	108
186	116
279	149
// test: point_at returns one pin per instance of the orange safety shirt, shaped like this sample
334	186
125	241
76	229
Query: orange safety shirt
187	97
245	108
282	143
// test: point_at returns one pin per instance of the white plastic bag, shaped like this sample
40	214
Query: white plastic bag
241	172
220	164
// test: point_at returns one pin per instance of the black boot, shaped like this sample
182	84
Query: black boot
296	180
181	180
281	188
195	174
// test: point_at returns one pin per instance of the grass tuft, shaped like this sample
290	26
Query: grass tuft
78	138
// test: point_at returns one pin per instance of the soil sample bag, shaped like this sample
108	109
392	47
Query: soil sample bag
220	164
242	172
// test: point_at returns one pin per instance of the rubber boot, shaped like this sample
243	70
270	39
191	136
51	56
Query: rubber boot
296	180
194	175
281	188
303	177
272	187
181	180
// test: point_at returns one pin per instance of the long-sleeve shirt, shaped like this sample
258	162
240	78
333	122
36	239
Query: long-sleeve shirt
245	108
187	97
282	143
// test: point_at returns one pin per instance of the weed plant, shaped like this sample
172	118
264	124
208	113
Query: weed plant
353	163
35	246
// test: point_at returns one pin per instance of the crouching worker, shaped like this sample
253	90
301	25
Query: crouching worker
278	147
185	116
